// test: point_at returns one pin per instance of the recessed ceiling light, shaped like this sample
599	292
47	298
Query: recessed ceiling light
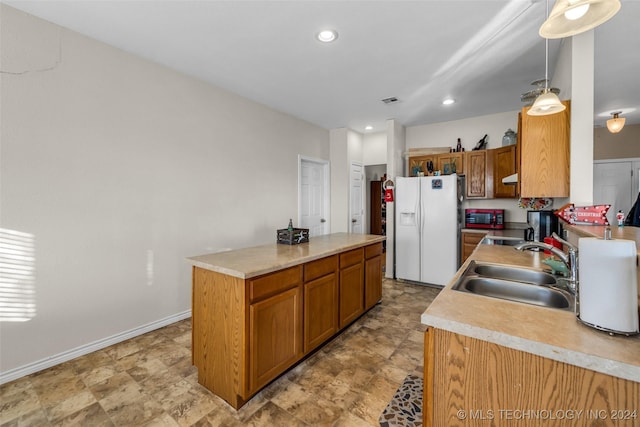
327	36
448	101
368	127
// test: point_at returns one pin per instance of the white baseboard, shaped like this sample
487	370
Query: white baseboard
48	362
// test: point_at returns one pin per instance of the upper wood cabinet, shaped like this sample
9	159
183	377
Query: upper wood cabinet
544	154
441	162
483	170
445	162
479	174
420	162
504	164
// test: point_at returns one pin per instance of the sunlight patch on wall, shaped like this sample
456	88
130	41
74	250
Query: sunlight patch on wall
17	276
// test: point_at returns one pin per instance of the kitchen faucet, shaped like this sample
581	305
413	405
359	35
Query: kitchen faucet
570	259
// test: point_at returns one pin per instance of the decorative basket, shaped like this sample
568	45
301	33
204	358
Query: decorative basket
293	237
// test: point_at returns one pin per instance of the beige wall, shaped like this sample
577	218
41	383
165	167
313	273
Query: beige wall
115	169
620	145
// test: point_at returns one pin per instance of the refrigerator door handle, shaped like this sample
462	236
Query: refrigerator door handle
422	216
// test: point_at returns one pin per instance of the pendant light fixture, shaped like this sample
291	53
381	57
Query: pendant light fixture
571	17
548	102
615	124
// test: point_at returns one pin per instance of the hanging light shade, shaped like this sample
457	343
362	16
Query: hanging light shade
615	124
547	102
571	17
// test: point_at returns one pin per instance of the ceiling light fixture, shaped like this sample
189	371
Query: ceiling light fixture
615	124
448	101
571	17
368	127
327	36
548	102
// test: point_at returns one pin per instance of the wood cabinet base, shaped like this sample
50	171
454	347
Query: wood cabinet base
470	382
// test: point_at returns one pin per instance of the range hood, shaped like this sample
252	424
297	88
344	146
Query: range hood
511	179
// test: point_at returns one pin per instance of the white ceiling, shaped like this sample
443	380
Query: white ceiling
483	53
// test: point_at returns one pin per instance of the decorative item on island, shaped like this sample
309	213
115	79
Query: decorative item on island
292	236
584	215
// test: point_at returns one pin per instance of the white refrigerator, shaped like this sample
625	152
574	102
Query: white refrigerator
427	228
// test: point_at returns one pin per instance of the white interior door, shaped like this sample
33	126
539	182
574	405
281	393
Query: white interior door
356	196
313	197
613	184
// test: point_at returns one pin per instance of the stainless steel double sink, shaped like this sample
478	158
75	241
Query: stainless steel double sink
515	284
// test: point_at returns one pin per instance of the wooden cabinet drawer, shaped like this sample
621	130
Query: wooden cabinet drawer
372	250
351	257
320	267
472	238
469	242
273	283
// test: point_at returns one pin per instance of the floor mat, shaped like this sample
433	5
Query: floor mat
405	408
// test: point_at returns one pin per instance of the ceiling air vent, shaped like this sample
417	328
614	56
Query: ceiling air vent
391	100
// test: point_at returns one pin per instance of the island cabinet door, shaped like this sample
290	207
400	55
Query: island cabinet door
320	301
320	311
351	286
275	325
372	275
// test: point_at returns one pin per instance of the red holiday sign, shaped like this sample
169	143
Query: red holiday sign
584	215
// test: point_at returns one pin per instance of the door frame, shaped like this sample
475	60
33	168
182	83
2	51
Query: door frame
327	188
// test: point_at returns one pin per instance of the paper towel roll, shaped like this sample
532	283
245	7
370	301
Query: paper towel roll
608	287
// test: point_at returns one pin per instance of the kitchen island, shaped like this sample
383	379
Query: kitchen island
495	362
258	311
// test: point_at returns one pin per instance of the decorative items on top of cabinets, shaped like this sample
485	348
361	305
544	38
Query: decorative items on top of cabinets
479	174
504	164
544	154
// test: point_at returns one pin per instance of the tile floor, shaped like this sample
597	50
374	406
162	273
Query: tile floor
149	380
